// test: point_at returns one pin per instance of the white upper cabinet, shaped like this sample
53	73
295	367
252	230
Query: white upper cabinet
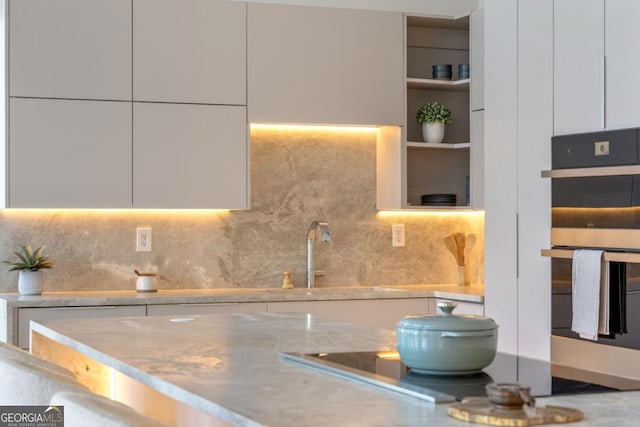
70	49
476	59
190	51
622	40
596	65
69	154
324	65
189	156
578	57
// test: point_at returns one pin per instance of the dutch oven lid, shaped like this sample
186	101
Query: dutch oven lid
447	321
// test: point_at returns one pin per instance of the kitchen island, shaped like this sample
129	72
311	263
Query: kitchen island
226	368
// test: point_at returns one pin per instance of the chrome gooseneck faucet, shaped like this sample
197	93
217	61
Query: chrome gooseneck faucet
311	238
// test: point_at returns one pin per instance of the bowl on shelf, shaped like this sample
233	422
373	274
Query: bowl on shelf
441	71
445	199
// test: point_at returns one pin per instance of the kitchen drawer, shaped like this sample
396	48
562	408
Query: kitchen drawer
206	308
377	313
25	315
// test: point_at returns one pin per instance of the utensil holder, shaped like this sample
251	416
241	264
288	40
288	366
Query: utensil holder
464	275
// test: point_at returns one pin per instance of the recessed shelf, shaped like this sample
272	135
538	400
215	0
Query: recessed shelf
438	146
459	85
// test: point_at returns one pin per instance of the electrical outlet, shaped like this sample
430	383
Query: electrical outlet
397	235
143	239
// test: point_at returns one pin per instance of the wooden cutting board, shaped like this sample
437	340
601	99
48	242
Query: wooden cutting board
480	410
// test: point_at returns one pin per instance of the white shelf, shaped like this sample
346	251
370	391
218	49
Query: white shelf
460	85
438	146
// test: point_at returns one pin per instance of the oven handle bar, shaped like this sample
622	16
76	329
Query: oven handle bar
589	172
631	257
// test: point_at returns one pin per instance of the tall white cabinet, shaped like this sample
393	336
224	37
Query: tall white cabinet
127	103
596	65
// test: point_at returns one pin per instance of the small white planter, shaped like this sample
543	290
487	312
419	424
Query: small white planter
30	282
433	132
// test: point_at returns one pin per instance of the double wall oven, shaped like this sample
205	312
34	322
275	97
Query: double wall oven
596	204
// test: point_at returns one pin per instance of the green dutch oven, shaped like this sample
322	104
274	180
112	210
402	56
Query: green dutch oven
447	344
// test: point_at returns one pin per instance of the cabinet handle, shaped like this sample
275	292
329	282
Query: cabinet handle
93	307
591	172
603	92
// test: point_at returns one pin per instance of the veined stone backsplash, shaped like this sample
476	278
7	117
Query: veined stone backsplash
297	175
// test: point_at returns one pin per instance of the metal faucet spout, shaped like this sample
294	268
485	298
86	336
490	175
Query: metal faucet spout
311	237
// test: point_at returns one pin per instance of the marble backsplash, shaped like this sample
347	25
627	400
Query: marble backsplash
297	175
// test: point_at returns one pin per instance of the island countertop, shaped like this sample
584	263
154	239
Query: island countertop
228	366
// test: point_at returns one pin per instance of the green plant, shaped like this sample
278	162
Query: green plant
433	112
27	259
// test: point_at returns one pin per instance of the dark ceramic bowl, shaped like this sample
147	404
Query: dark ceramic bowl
442	71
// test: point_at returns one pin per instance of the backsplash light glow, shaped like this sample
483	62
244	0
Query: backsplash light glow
297	175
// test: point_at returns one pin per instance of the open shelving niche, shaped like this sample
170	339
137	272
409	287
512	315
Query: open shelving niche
444	167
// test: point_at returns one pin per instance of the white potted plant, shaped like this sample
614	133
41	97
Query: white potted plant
433	117
29	262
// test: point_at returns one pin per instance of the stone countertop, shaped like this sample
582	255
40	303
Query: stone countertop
473	293
228	366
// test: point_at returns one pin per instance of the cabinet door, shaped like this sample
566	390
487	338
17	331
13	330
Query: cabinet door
189	51
189	156
324	65
578	57
476	53
622	63
378	313
477	159
25	315
69	154
212	308
70	49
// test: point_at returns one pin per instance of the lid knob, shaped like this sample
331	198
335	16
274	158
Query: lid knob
446	307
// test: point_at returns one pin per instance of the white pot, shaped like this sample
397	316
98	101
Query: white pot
30	282
433	132
146	284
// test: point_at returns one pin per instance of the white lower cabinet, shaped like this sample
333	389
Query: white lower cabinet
377	313
462	307
206	308
25	315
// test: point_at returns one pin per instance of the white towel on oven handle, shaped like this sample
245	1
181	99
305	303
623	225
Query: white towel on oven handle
587	292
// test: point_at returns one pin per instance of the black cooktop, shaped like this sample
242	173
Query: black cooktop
385	369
